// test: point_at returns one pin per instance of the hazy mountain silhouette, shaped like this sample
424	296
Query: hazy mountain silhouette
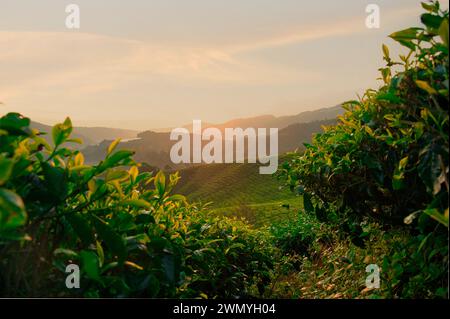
293	136
150	147
267	121
153	148
90	135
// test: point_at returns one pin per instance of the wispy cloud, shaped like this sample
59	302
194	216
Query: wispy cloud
74	64
38	59
352	26
81	63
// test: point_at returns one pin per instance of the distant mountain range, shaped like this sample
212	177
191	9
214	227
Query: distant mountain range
154	147
285	121
90	135
266	121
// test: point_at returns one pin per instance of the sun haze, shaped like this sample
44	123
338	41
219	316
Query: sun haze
153	64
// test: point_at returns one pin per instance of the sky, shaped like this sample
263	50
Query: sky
162	63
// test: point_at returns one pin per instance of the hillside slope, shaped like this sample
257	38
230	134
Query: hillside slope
230	185
271	121
239	190
154	148
90	135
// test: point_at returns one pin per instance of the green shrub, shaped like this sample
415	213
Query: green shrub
301	236
229	258
129	235
387	158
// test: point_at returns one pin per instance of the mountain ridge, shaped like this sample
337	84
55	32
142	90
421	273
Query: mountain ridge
270	121
90	135
153	147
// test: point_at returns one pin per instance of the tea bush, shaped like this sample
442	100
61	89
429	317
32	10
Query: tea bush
124	229
302	236
229	258
387	159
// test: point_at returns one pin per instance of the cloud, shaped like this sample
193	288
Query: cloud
352	26
83	63
86	63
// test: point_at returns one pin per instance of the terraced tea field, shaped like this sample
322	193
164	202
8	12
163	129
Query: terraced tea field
239	190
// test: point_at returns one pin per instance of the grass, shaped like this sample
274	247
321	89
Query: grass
335	271
239	190
264	214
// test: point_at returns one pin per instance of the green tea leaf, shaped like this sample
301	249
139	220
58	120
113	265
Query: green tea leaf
81	227
113	146
407	34
67	252
100	253
431	21
113	240
12	210
15	124
436	215
429	169
425	86
61	132
55	181
443	32
386	52
6	166
307	204
137	203
116	176
90	264
429	7
160	183
118	158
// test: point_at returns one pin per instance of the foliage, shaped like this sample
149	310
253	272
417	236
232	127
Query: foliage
336	268
374	189
387	159
300	237
229	258
218	183
129	235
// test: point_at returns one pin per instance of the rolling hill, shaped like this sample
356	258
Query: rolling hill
267	121
90	135
154	148
230	185
285	121
239	190
232	189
